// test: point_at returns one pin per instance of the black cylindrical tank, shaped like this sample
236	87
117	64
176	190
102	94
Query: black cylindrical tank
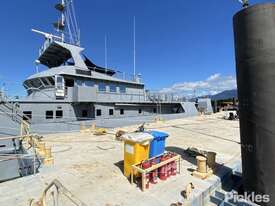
254	32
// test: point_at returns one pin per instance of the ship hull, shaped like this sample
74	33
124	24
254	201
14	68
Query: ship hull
51	117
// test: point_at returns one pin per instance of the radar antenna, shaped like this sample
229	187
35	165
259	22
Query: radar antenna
244	3
67	24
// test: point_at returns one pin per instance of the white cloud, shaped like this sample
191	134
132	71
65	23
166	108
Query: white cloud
212	85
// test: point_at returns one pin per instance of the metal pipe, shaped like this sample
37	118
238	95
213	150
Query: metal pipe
254	32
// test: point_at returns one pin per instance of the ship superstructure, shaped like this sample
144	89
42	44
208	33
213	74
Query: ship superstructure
73	88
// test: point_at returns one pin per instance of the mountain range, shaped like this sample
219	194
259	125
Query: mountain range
227	94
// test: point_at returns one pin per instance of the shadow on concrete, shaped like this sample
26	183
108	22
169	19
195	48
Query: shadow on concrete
226	175
120	165
182	153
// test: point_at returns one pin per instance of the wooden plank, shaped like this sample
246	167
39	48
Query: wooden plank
143	177
162	164
132	175
176	158
135	168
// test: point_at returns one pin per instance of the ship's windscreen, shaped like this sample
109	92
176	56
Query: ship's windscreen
39	83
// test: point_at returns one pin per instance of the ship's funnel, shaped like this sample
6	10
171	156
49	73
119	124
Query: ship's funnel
254	31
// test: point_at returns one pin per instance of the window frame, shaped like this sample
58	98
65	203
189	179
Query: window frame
47	116
51	80
111	112
84	111
90	83
101	87
59	116
29	116
79	82
45	81
122	89
98	112
113	88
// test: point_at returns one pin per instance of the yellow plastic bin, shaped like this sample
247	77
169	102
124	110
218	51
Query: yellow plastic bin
136	149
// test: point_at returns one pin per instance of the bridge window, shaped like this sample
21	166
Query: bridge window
84	113
36	83
139	111
88	83
102	87
28	84
58	114
121	111
44	80
80	82
69	82
59	82
51	80
122	89
27	115
111	112
155	110
112	88
49	114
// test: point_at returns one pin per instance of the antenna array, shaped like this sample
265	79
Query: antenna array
67	25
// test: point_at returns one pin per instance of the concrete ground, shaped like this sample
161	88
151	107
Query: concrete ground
91	166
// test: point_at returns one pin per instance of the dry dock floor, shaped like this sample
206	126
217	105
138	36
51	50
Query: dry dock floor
91	166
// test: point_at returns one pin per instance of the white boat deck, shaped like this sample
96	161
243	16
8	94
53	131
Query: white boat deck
90	166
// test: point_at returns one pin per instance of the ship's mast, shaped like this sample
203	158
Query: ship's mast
67	25
134	37
62	21
106	52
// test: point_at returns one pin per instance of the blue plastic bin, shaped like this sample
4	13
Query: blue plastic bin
157	145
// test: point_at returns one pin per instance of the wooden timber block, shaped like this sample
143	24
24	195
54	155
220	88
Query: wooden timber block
41	152
100	131
48	161
203	175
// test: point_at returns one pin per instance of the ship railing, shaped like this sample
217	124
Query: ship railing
144	97
122	75
159	97
128	77
47	43
3	96
13	109
132	97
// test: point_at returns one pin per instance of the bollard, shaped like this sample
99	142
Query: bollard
201	164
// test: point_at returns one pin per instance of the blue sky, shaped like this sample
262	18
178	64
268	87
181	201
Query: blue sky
178	43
